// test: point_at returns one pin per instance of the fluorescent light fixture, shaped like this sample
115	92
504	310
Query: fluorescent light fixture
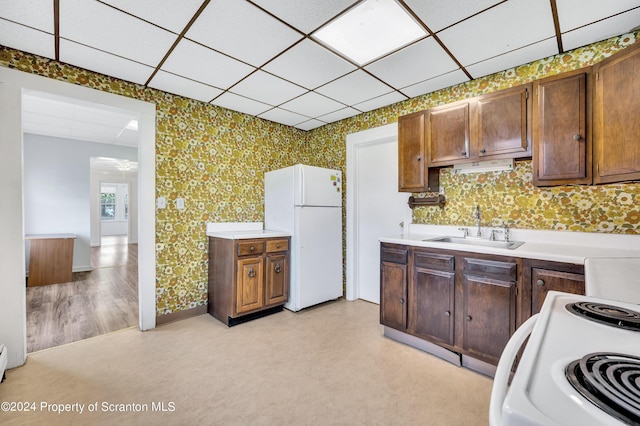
133	124
370	30
483	166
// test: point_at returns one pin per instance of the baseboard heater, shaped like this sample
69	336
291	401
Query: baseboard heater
3	361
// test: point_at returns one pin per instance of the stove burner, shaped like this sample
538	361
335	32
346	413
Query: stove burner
611	381
607	314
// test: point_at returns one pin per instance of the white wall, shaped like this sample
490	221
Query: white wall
97	226
57	188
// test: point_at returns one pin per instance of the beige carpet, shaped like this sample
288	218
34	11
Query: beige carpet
328	365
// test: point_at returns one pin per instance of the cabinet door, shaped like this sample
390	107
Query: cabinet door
561	141
500	120
413	175
448	134
249	284
616	122
544	280
431	313
393	295
277	280
488	316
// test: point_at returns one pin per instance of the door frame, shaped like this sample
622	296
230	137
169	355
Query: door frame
13	84
356	141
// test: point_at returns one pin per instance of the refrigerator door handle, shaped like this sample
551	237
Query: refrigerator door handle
301	182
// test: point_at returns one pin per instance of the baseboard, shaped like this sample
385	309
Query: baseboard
180	315
81	268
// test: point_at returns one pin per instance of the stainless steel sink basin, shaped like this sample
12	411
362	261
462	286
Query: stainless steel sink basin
510	245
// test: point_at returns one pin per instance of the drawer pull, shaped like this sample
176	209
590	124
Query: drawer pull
540	283
277	245
252	273
277	268
252	248
468	318
447	313
463	153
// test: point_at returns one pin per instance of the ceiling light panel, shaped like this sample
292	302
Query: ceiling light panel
184	87
104	63
26	39
309	65
305	15
241	30
354	88
576	13
284	117
97	25
34	13
370	30
439	14
514	58
312	105
436	83
201	64
420	61
170	14
601	30
499	30
266	88
240	103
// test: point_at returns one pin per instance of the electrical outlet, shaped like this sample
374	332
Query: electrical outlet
161	202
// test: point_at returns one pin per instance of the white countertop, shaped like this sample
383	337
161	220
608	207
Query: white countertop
242	230
558	246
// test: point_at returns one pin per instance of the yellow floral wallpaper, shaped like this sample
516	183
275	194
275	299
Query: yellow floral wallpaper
216	159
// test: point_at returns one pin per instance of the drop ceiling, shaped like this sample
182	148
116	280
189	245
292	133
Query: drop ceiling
259	56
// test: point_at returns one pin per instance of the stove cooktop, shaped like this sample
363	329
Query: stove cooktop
603	313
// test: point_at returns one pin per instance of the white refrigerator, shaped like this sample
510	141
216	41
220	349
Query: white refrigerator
306	201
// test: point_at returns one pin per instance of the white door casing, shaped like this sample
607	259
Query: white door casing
374	206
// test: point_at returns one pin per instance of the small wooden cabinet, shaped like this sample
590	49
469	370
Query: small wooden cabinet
393	288
616	122
487	127
413	174
247	277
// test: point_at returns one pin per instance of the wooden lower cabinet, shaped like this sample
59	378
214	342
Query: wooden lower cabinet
247	277
393	286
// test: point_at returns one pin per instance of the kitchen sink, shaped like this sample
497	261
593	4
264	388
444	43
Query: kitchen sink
510	245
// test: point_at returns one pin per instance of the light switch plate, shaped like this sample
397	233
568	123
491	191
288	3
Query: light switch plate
161	202
180	203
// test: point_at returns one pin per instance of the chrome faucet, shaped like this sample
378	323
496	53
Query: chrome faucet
478	215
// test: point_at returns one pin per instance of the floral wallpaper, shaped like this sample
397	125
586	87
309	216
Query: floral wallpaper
215	159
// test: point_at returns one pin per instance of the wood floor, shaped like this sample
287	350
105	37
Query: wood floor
96	302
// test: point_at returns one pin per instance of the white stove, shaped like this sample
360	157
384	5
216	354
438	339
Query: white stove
575	370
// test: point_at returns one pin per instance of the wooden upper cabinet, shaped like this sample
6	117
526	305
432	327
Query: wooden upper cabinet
448	134
413	175
561	132
500	122
616	121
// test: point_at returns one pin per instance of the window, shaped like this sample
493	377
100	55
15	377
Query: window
114	202
126	206
108	203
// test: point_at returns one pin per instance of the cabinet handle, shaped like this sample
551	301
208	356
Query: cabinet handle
540	282
463	153
468	317
252	273
482	151
277	245
401	301
576	137
252	248
278	268
447	313
419	158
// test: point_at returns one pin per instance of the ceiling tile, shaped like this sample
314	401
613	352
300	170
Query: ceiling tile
415	63
199	63
283	117
243	31
183	86
240	103
436	83
312	104
339	115
310	124
305	15
438	14
46	106
29	117
97	25
98	116
380	101
309	64
601	30
40	128
33	13
499	30
512	59
170	14
576	13
354	88
96	60
127	138
266	88
26	39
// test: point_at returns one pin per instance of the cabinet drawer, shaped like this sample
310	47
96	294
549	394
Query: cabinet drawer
250	247
394	254
439	262
491	268
277	245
